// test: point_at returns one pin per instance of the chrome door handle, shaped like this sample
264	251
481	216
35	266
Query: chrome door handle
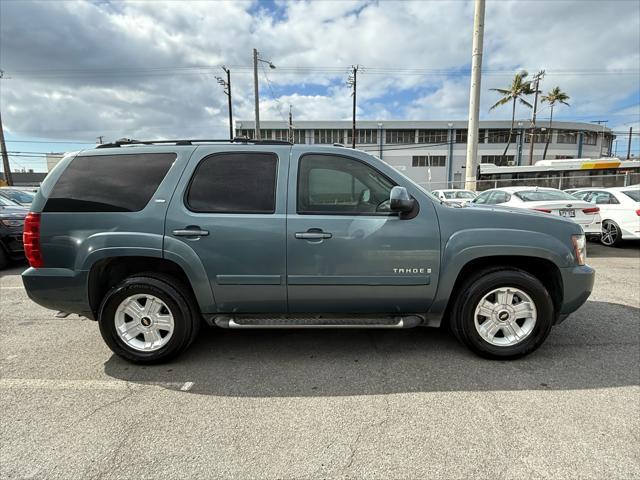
190	233
312	235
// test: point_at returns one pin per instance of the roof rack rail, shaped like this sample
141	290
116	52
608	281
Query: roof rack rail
129	141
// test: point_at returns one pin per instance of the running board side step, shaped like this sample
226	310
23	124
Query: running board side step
257	321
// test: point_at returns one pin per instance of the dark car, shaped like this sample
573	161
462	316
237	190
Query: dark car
21	197
11	224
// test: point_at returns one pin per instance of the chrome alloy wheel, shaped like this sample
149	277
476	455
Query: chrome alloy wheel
609	233
505	316
144	322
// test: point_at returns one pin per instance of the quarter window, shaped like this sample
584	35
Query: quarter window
109	183
343	186
234	183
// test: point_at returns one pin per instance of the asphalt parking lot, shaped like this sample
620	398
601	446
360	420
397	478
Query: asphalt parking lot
326	404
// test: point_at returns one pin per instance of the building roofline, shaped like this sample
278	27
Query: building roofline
418	124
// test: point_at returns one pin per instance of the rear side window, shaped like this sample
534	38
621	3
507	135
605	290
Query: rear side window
234	183
109	183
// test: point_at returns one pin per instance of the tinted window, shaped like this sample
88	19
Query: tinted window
632	194
332	184
603	198
18	196
543	195
109	183
234	183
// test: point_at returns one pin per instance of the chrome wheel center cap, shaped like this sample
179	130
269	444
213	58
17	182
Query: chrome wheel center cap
145	321
503	316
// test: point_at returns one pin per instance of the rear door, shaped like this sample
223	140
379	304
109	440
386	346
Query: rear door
228	212
346	252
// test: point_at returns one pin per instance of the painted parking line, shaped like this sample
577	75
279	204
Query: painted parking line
56	384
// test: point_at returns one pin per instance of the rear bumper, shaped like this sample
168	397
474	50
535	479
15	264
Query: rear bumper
577	285
58	289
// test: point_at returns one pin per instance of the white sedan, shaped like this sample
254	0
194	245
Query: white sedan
546	200
455	196
619	209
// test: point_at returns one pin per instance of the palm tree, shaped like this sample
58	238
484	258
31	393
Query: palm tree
555	96
519	87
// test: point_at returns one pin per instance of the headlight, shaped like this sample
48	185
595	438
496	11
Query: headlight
12	222
580	248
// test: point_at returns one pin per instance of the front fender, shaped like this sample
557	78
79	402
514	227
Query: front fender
471	244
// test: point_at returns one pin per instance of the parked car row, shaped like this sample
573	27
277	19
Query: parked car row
12	217
609	215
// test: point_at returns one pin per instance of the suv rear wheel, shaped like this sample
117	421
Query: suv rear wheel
503	313
148	318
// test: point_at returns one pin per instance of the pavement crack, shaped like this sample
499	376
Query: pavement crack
104	406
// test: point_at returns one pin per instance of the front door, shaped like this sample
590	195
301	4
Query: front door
346	251
228	215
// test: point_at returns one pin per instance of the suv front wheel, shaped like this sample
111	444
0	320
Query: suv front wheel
148	318
503	313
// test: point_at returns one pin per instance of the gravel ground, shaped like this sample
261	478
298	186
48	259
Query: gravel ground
326	404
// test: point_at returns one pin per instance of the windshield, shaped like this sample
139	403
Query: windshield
633	194
543	195
18	196
459	194
5	202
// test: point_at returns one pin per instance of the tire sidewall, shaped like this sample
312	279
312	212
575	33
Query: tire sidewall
172	299
510	278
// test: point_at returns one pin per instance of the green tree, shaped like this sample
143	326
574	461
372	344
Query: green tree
553	98
513	94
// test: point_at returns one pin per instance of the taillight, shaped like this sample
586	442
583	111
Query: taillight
591	211
31	240
545	210
638	212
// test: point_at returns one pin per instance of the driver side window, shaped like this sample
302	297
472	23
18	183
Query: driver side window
335	185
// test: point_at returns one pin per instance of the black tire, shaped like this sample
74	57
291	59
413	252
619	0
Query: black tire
475	288
611	234
179	301
4	259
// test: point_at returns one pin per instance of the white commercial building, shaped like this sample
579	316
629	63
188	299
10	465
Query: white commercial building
433	153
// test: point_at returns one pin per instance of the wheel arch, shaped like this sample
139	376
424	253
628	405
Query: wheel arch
108	272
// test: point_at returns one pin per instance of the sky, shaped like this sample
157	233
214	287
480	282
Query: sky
76	70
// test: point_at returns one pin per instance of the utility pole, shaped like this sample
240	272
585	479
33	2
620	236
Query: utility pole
352	82
226	85
290	125
603	123
99	139
629	144
256	59
5	158
532	139
474	96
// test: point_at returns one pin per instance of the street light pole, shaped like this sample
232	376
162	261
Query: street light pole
226	84
474	96
532	140
256	95
353	78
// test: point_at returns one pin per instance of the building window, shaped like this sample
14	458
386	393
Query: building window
245	133
266	134
363	136
461	136
567	137
499	136
498	159
281	134
428	161
401	136
590	138
432	136
540	136
299	136
328	136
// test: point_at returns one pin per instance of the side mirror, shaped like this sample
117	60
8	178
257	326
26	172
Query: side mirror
400	200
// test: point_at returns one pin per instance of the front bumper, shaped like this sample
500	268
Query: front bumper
58	289
577	285
12	241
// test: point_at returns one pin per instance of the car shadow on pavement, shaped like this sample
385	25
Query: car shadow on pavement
597	347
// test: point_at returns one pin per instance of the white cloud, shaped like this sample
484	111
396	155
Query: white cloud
96	47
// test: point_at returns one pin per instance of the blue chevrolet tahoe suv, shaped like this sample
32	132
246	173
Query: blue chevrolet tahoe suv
153	238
